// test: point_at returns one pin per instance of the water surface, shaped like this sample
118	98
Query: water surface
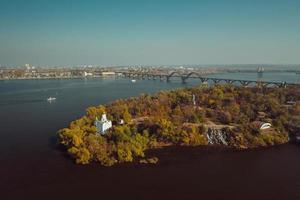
32	166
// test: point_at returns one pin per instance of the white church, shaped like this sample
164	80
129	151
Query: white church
103	124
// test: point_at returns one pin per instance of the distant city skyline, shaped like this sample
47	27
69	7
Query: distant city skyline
144	32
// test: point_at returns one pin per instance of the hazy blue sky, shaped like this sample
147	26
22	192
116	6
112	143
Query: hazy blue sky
149	32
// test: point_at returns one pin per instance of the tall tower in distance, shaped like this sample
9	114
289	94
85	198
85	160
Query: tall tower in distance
260	72
194	100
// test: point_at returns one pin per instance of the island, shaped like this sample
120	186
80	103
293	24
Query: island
225	115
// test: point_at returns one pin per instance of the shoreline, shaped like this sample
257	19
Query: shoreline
54	78
208	75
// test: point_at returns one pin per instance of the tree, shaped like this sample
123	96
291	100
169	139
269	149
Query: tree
224	117
192	136
71	137
82	155
124	153
126	116
93	112
165	129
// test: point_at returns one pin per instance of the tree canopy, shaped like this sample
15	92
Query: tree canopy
171	118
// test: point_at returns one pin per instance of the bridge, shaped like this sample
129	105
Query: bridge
203	79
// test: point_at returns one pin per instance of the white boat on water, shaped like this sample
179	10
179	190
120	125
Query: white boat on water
133	80
50	99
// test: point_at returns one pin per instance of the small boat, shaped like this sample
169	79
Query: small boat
51	99
133	80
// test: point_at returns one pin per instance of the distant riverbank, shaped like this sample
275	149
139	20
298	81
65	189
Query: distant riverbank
289	77
52	78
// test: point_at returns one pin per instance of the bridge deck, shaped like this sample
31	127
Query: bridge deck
196	75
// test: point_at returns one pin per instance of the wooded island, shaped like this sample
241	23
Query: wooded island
232	116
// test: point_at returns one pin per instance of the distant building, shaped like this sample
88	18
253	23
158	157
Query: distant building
103	124
108	73
87	74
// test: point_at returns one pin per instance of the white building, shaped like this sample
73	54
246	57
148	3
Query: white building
265	126
262	125
87	74
108	73
103	124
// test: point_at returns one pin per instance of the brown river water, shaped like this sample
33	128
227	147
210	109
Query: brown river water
33	167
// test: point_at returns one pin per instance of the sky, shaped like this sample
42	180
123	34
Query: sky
149	32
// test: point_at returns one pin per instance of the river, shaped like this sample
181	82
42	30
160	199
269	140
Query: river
32	167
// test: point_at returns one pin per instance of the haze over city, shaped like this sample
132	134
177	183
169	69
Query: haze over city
115	32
